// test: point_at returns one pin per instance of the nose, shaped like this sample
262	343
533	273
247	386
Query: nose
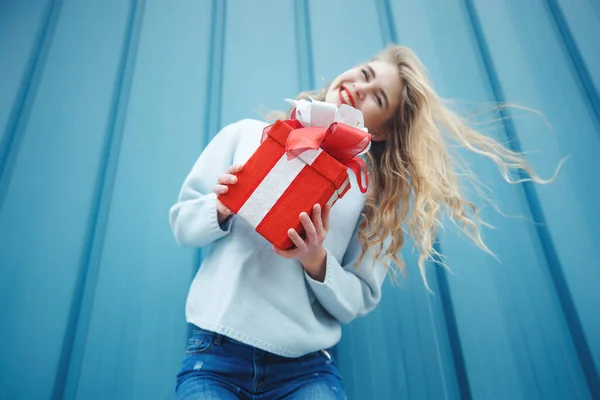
359	89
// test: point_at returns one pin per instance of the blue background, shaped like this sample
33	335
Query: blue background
105	105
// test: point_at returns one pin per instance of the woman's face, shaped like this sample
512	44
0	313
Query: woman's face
373	88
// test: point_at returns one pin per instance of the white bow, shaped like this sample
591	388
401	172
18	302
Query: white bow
319	113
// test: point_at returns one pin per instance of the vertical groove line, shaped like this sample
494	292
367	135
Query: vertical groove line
386	23
551	256
586	83
304	57
20	112
72	352
215	69
447	305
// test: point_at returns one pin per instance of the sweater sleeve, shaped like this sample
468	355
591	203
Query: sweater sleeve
193	218
350	290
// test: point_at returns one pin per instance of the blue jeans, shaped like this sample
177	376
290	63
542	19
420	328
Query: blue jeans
217	367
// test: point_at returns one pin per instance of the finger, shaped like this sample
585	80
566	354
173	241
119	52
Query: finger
317	220
234	169
222	208
286	253
325	218
220	189
309	227
227	179
297	240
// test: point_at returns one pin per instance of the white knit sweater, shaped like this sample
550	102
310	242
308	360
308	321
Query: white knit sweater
247	292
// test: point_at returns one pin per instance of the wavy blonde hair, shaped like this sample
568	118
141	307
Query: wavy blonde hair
413	177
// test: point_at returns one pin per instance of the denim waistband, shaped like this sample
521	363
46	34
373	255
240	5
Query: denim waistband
218	338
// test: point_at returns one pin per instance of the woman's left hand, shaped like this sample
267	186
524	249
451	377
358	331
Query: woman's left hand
310	252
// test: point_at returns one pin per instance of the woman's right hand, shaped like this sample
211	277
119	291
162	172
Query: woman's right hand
222	187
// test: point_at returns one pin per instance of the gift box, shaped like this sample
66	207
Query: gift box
296	166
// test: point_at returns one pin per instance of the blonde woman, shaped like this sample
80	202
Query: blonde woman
263	318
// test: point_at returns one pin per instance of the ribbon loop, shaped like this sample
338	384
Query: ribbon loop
302	139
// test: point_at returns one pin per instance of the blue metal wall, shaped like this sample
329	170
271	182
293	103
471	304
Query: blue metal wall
104	106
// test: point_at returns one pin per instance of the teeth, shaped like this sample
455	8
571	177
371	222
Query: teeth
346	98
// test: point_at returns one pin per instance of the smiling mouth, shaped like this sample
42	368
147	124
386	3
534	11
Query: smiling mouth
346	97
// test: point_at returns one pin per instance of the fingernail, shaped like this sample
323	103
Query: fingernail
227	211
303	214
317	207
233	180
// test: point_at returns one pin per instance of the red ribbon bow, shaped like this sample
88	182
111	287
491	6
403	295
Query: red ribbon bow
339	140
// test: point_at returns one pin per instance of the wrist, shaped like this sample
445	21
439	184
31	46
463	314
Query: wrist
316	267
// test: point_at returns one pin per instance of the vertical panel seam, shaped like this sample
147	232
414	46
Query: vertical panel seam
72	352
447	305
26	94
586	83
215	69
304	57
386	23
551	256
436	340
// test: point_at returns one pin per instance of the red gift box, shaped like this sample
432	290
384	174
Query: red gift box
293	169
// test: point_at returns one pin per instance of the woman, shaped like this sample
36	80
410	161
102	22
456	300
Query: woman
263	317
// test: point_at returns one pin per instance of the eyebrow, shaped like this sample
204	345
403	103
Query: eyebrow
372	71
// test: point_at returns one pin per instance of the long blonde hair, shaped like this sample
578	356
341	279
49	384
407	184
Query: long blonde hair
413	177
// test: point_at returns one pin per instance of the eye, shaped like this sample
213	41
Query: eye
379	101
364	72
